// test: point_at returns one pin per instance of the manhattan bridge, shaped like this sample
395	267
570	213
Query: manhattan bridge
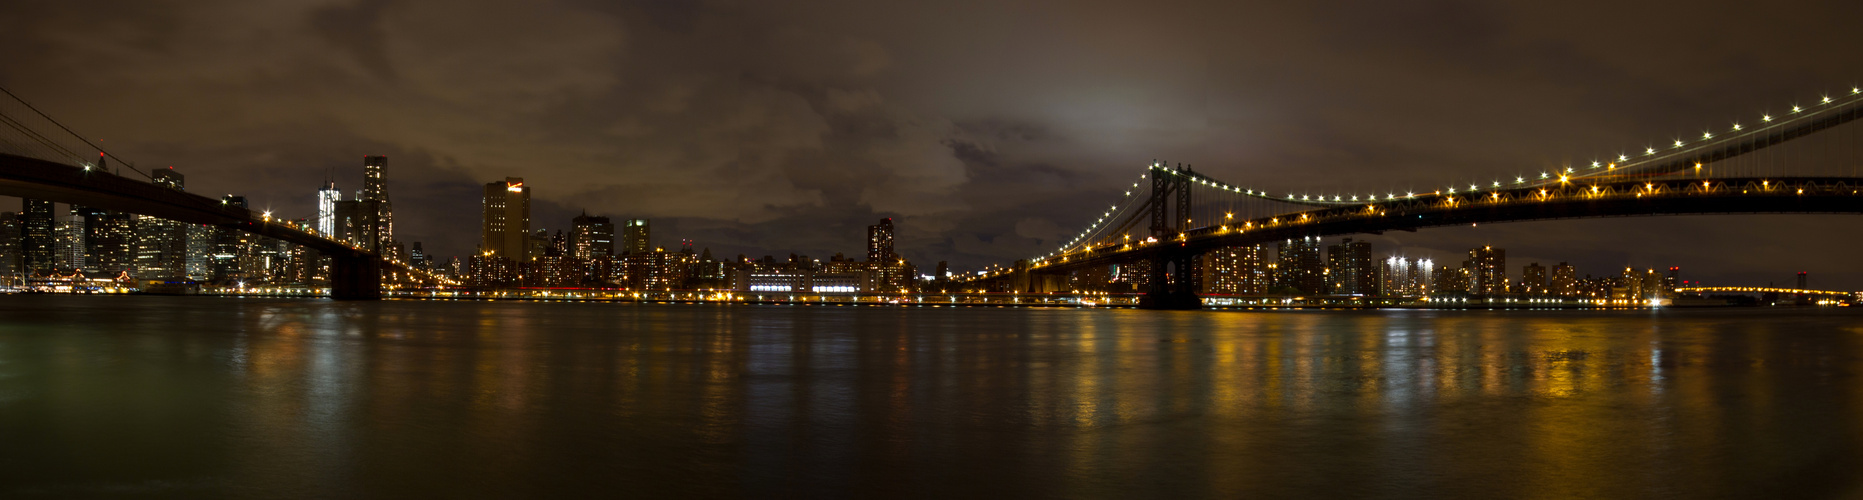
1802	160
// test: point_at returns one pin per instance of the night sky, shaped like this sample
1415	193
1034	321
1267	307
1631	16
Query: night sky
988	130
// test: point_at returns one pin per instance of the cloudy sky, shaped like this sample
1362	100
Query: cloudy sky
988	130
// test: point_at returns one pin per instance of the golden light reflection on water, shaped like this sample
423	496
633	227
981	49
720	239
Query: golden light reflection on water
340	399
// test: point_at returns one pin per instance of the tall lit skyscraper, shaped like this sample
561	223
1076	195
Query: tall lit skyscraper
880	242
36	235
1487	270
375	189
591	236
326	208
161	244
109	237
233	256
200	248
68	241
637	236
9	246
506	230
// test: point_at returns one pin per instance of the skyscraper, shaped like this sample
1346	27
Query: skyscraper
10	258
326	208
1298	265
506	229
200	247
68	240
375	189
9	246
109	237
1350	268
637	236
233	256
591	236
161	244
880	242
36	230
1487	270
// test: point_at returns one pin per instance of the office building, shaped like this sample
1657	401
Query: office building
68	242
109	239
200	247
233	257
636	236
591	236
375	193
326	208
10	264
161	245
37	231
505	233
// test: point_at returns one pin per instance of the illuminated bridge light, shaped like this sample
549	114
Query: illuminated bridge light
1622	158
1795	109
1649	151
1678	144
1736	126
1707	135
1827	99
1765	118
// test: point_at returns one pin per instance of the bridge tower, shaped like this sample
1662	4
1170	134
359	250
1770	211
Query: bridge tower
1172	284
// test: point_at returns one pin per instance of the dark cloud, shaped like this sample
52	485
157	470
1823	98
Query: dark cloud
987	130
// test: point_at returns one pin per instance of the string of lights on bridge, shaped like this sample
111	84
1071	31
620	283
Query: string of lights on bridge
1623	164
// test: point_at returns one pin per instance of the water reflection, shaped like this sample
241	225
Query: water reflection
193	397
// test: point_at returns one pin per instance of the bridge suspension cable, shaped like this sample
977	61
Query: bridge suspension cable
1740	150
25	135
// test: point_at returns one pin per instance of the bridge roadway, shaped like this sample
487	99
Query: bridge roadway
1624	197
355	273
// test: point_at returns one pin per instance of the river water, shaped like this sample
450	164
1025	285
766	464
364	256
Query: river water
192	397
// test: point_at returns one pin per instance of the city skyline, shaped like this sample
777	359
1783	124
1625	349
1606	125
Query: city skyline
861	121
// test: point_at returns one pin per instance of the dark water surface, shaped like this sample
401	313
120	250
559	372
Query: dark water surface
198	397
